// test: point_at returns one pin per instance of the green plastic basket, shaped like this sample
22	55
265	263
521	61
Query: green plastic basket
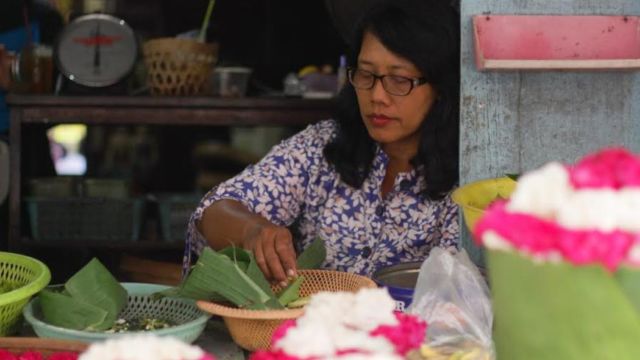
26	276
190	320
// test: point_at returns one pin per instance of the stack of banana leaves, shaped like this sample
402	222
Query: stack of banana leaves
232	275
90	300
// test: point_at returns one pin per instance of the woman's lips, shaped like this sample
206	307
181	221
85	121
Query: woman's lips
379	120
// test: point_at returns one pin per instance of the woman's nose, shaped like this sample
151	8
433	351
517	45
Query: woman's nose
378	93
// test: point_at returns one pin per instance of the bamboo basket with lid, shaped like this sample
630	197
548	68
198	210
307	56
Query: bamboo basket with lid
253	329
177	66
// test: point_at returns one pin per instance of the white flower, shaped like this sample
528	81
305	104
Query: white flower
142	347
335	321
541	192
547	193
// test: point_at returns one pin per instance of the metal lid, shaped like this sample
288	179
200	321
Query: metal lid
404	275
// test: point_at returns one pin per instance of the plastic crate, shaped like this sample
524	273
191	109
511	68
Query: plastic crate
54	187
110	188
175	211
85	219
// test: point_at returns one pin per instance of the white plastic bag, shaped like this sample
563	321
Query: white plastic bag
453	298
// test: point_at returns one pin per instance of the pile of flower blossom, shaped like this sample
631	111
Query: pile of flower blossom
36	355
144	347
588	213
347	326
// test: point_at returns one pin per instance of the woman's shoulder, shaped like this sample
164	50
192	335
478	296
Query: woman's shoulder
319	133
308	144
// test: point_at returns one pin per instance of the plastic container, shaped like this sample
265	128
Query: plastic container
26	276
175	211
474	197
230	81
189	320
400	280
85	219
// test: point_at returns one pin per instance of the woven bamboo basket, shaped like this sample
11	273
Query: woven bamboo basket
252	329
179	66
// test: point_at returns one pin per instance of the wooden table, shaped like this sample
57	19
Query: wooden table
214	339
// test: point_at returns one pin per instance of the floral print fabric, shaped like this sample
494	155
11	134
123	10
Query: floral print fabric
294	186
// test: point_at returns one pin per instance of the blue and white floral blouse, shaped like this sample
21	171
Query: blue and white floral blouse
295	185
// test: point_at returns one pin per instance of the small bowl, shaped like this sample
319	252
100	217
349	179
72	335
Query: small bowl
475	197
400	280
252	329
189	319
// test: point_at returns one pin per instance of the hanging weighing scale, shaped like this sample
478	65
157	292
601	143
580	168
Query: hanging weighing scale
96	54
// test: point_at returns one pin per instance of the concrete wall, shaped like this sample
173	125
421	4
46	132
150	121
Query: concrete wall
515	121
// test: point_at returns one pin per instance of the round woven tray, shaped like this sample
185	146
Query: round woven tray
252	329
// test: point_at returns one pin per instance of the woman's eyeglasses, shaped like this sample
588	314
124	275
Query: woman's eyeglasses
392	84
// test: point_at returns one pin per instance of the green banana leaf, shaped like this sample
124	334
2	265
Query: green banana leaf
238	255
64	311
256	275
313	256
215	275
629	280
232	274
552	311
291	292
94	285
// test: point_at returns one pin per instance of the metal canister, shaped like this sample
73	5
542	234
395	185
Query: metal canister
400	280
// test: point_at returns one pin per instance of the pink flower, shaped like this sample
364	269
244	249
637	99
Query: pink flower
281	330
407	335
30	355
612	168
536	236
63	356
273	355
207	357
6	355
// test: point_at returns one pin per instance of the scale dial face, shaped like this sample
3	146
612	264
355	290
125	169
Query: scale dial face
96	50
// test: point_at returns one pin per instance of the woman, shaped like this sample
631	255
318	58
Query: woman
374	183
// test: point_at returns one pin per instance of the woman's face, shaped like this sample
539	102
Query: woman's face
391	119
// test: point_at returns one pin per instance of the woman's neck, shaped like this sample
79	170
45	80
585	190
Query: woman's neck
400	156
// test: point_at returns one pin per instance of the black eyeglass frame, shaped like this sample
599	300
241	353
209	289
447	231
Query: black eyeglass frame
414	82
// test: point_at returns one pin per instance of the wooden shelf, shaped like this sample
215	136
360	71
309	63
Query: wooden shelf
27	110
171	110
124	245
556	42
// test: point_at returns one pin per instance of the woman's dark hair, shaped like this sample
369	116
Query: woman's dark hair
425	32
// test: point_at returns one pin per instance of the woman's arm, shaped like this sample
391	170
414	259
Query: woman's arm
229	222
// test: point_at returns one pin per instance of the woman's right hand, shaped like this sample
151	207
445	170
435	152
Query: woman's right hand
273	249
